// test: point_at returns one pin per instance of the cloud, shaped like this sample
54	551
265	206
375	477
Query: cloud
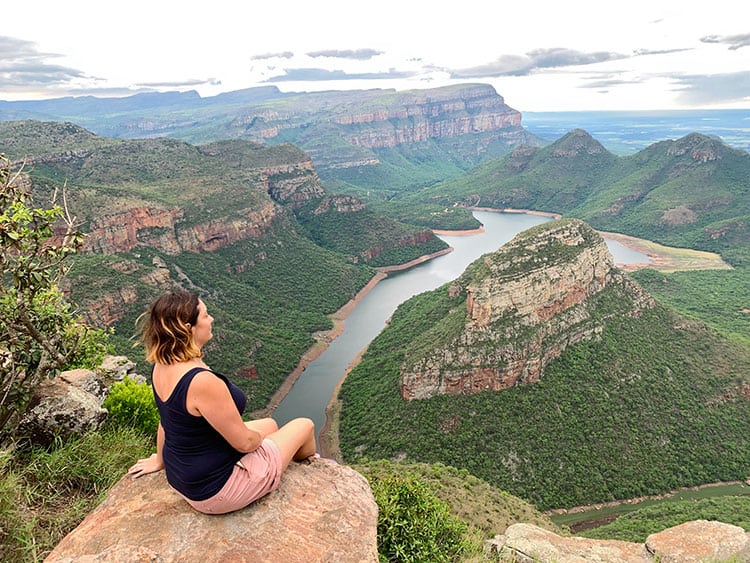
284	55
734	41
358	54
522	65
608	83
21	65
178	83
699	90
646	52
320	74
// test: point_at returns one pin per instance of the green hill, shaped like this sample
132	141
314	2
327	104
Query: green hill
652	403
693	192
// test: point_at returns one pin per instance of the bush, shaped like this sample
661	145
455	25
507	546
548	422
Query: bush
132	404
413	524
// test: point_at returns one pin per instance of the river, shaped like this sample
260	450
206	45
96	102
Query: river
313	390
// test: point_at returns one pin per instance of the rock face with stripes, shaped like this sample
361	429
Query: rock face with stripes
520	307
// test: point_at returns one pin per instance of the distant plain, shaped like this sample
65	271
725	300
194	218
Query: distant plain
627	132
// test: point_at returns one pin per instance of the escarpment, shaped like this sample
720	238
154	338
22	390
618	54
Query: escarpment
384	119
551	287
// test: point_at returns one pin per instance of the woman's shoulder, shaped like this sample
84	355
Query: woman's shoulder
204	375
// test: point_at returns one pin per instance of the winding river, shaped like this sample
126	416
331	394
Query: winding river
313	390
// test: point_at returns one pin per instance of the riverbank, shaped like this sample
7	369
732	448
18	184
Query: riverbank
324	338
667	258
581	518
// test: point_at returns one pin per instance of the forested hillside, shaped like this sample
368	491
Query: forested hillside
693	192
653	402
251	228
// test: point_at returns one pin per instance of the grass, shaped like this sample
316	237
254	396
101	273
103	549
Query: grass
46	492
487	510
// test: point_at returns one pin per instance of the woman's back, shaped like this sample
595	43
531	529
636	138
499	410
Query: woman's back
198	460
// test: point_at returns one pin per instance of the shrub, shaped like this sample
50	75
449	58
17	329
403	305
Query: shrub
413	524
39	333
132	404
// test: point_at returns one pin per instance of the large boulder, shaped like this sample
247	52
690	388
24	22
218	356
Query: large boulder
322	511
689	542
59	408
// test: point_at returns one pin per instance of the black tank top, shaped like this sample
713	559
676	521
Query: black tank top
197	459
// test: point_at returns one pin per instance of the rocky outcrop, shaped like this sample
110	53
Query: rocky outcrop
58	408
692	542
699	148
411	240
71	403
166	231
340	204
293	185
322	511
524	304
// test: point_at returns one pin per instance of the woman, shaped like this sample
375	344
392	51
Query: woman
217	462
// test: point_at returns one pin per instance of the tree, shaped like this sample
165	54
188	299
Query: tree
39	333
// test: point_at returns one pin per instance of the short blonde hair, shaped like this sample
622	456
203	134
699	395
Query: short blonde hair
166	329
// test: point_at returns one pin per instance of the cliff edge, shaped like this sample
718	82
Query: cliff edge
321	512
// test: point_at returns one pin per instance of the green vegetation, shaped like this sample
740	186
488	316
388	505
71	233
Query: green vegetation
634	412
692	192
270	291
413	524
720	298
487	510
46	492
131	404
637	526
359	233
39	331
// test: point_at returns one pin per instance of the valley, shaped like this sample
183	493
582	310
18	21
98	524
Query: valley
285	217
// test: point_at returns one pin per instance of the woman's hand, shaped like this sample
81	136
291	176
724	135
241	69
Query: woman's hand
146	465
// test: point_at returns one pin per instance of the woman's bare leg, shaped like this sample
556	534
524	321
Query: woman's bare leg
264	426
296	440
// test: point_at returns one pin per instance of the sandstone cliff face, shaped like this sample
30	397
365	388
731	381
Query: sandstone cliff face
165	229
409	117
436	114
525	304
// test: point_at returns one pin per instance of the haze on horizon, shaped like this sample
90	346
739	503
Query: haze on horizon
539	55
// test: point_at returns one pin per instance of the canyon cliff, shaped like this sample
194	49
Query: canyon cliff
338	129
524	304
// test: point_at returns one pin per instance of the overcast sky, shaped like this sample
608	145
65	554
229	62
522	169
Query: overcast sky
540	55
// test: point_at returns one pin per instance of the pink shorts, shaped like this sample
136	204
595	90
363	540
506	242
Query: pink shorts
255	475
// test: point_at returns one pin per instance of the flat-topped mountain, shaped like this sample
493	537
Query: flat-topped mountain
338	129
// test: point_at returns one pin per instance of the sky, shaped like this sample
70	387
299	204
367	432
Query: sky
546	55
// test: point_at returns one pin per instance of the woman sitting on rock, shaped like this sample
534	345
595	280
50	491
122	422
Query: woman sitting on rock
214	459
